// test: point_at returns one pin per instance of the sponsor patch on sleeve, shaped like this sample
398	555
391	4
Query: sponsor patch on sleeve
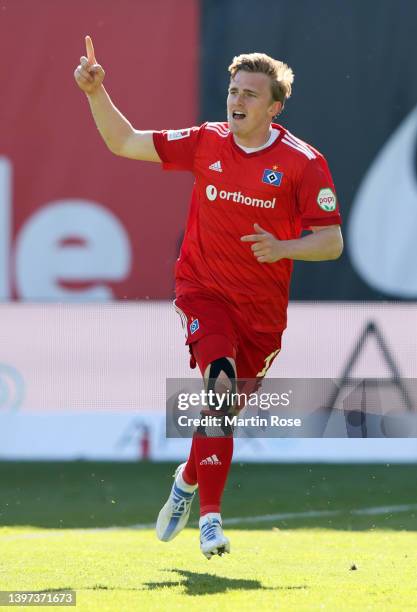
326	199
178	134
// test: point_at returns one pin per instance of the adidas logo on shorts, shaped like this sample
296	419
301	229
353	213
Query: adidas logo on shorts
212	460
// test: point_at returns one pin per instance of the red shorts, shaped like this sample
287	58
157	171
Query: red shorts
214	329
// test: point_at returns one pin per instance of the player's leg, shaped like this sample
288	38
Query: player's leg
174	514
213	450
221	371
213	446
200	316
210	335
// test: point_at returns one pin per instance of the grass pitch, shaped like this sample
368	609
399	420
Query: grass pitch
56	535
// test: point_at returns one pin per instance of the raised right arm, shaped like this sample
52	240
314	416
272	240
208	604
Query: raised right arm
117	132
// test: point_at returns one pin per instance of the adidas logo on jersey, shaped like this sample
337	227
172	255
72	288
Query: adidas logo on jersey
217	166
212	460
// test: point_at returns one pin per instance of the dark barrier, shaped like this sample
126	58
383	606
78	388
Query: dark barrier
354	84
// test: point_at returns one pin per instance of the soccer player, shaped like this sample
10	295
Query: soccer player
257	187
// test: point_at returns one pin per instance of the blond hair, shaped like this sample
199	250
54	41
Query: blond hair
281	75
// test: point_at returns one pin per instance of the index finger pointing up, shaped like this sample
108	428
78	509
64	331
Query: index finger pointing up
90	50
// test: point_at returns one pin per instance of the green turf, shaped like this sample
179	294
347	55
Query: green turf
84	494
268	569
297	564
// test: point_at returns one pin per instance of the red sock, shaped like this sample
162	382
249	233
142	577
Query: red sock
212	459
190	471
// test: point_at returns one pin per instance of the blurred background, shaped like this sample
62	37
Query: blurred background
88	241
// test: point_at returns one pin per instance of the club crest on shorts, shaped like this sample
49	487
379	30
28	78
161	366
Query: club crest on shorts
194	326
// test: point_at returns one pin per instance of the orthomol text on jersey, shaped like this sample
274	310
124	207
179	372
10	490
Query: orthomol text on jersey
237	196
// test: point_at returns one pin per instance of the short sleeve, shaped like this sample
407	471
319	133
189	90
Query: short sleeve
177	148
316	196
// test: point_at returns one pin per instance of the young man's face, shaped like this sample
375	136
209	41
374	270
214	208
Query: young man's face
250	107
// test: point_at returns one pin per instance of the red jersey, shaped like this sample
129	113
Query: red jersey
285	187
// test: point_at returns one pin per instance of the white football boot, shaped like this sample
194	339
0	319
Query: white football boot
212	539
174	515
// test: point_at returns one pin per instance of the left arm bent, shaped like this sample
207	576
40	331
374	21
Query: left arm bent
324	243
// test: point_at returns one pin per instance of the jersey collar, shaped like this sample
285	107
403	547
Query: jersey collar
262	151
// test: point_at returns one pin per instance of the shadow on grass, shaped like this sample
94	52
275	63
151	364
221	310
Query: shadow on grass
200	583
197	583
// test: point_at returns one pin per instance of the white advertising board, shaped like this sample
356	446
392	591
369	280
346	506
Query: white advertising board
80	381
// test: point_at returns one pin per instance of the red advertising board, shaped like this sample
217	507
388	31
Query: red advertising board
76	222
